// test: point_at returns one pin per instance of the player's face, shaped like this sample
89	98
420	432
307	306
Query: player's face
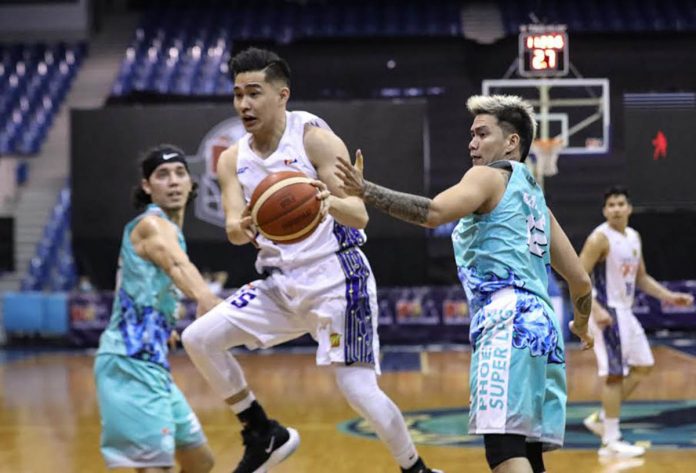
258	102
488	141
617	210
169	186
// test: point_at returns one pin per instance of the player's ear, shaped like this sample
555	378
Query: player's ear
513	142
146	186
284	94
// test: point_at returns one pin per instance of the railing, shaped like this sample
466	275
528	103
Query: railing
53	267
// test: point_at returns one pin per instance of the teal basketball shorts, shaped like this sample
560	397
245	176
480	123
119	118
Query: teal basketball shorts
144	416
518	380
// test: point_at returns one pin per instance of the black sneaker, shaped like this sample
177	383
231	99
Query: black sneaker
420	467
262	450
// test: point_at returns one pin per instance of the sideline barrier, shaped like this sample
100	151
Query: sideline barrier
408	315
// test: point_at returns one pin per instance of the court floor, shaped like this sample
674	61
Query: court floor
49	418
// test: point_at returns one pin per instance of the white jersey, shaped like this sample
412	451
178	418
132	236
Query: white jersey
615	277
330	236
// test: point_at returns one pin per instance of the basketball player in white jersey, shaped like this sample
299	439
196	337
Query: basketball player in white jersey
322	285
612	254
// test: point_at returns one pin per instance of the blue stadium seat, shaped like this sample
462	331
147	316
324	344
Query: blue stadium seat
182	51
34	80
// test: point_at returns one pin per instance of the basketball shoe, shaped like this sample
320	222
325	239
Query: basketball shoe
265	449
420	467
620	449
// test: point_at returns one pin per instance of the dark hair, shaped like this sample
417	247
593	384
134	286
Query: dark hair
514	115
255	59
142	199
514	121
615	191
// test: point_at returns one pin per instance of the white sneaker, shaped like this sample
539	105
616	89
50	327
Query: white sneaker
594	424
620	449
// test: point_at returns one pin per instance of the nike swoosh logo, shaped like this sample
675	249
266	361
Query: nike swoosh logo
270	446
169	155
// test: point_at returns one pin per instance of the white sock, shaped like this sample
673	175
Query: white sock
359	387
611	430
244	404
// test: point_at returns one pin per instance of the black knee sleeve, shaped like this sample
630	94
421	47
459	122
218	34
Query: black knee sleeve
535	457
502	447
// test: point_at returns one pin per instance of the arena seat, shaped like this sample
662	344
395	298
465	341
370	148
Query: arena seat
34	80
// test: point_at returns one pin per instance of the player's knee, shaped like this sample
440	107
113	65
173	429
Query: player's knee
201	460
200	338
503	447
204	464
358	385
194	338
350	378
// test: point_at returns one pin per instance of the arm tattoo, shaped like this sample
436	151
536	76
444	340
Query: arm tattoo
584	304
408	207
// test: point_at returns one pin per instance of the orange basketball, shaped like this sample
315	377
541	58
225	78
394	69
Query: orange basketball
285	208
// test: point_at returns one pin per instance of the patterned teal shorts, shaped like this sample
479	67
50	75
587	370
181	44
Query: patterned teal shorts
144	416
518	379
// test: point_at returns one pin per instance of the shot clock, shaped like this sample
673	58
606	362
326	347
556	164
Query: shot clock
543	51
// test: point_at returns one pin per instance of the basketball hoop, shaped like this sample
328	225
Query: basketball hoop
546	153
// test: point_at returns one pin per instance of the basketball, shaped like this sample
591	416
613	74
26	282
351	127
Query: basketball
285	208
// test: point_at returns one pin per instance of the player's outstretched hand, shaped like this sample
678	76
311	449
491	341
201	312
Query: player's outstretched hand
681	299
351	175
584	335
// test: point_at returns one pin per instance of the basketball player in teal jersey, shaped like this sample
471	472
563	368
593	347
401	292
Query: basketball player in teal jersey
504	242
146	421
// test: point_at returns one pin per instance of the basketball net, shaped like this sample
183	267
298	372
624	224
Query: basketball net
546	152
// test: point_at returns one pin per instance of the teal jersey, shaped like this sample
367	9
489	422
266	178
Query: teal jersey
145	303
507	247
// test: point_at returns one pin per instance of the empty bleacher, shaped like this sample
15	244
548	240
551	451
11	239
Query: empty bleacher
184	51
34	80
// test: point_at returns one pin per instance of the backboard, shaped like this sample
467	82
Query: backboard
575	111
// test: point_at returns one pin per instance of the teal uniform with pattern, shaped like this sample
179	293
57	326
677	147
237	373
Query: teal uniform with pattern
517	381
145	417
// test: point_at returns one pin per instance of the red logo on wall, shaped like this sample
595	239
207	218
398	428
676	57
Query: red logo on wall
659	146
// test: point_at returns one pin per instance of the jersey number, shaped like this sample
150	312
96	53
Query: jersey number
536	236
243	297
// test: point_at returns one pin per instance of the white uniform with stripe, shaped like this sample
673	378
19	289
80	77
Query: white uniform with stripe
322	285
623	344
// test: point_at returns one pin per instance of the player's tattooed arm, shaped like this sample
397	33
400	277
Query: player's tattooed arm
583	305
408	207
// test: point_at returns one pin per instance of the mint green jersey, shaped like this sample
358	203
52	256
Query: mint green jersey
507	247
145	303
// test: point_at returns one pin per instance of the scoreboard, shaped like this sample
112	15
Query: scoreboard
543	51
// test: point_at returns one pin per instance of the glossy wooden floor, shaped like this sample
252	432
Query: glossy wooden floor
49	420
